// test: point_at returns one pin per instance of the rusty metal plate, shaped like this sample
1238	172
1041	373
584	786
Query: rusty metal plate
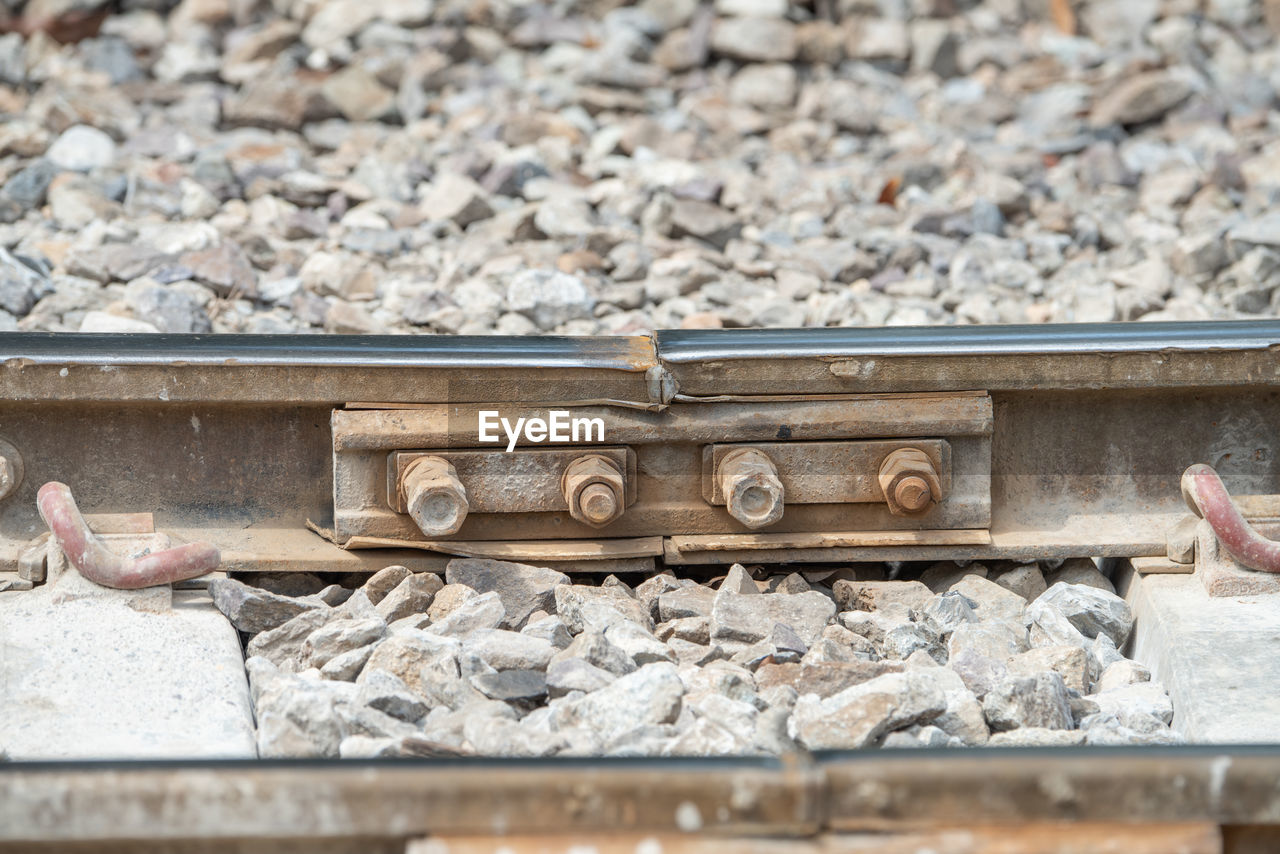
827	472
523	481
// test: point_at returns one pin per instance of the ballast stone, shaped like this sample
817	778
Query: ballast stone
523	589
252	609
1091	611
1032	701
859	716
748	618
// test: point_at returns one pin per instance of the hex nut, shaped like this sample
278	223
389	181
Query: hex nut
595	490
909	481
752	491
436	499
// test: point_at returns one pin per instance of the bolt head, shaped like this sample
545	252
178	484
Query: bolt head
756	500
912	493
8	476
909	481
598	503
434	497
594	488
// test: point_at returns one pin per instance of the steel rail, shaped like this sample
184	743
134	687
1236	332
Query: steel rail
790	797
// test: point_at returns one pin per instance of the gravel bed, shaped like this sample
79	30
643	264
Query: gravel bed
507	167
505	659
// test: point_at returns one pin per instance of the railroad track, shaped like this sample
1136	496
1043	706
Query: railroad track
689	451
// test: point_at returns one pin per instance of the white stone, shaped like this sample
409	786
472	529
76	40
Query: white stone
81	148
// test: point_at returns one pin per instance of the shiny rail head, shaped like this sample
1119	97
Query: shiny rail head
698	345
633	353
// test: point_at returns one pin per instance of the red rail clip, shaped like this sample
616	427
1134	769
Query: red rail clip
1205	494
101	565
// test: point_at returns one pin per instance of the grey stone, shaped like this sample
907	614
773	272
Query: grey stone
991	601
523	589
503	737
456	197
449	598
172	311
1037	737
594	647
692	629
222	267
948	611
1049	627
111	56
1262	231
576	674
28	187
549	298
252	609
21	285
979	672
347	666
1069	662
748	618
1091	611
356	719
859	716
302	718
640	645
686	602
705	221
754	39
339	636
1025	580
383	582
1121	673
875	595
651	589
520	686
738	580
565	217
650	695
998	641
483	612
1079	570
282	646
1108	730
1032	701
417	658
1129	702
389	694
584	608
1140	98
413	595
506	650
551	629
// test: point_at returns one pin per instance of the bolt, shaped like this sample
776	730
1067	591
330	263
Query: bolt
595	490
8	477
752	491
909	481
435	497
